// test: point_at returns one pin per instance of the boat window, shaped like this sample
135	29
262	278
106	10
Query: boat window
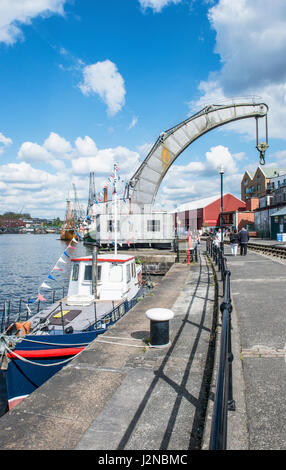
88	273
115	273
99	273
75	271
133	269
128	273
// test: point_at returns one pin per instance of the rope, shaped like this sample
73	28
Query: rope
55	344
120	344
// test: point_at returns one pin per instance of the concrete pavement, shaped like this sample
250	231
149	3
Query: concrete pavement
259	336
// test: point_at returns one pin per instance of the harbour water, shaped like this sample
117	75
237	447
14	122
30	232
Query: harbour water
26	261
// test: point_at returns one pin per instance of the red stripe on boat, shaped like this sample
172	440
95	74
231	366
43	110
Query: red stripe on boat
101	260
46	353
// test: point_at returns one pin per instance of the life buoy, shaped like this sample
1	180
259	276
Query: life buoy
23	328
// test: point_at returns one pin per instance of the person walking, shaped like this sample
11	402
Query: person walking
233	240
243	237
218	238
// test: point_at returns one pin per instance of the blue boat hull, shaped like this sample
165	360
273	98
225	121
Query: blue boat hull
46	356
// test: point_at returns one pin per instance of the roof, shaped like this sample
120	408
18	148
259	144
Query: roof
197	204
201	203
111	257
280	212
270	172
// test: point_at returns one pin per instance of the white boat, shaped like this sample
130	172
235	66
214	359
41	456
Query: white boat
102	288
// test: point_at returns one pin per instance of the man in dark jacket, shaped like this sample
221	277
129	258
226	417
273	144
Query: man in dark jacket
243	237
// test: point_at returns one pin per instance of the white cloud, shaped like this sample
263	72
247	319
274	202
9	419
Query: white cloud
32	152
57	144
86	147
132	123
13	14
199	179
218	156
102	163
104	79
251	43
157	5
5	141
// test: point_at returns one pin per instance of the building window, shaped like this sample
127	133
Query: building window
110	226
153	225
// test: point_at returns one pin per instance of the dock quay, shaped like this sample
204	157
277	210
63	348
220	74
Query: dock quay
120	394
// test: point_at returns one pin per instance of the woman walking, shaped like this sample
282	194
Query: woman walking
233	239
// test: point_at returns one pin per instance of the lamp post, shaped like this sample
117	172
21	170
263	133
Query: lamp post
221	171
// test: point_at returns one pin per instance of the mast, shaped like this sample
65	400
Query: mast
115	208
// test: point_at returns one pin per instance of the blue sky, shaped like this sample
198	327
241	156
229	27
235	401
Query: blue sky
86	83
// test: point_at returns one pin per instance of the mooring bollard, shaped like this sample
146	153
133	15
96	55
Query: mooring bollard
159	326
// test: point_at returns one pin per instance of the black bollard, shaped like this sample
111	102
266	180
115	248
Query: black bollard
159	326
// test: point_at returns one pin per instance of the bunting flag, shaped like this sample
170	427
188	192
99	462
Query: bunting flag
56	268
71	247
51	277
65	253
61	260
41	297
45	286
78	235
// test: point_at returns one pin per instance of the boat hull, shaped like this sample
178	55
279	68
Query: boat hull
46	355
90	236
42	356
67	234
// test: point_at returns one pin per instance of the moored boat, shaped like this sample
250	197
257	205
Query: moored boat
101	290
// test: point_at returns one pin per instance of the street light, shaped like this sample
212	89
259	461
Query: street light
221	171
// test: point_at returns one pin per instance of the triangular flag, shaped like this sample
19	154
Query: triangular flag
61	260
45	286
65	253
72	247
51	277
41	297
57	268
74	240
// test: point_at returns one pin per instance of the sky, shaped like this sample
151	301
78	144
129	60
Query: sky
87	83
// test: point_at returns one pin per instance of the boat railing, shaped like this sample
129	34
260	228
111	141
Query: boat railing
21	309
115	314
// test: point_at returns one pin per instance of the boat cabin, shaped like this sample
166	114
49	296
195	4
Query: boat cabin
116	277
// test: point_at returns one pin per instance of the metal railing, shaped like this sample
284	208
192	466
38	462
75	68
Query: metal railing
16	310
224	401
